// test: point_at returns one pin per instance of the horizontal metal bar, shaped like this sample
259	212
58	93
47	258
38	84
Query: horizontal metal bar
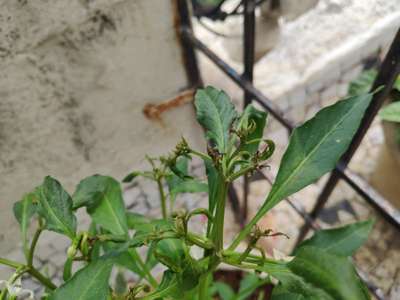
266	103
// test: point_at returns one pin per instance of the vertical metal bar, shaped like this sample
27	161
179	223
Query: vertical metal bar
183	20
387	75
248	62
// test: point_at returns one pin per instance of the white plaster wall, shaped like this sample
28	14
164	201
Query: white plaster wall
74	78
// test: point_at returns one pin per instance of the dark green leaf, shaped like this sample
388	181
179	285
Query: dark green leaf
215	113
131	176
55	206
258	118
391	112
169	287
343	241
279	293
334	274
23	212
314	149
89	283
102	196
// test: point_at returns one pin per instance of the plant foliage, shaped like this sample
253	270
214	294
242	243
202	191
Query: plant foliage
130	242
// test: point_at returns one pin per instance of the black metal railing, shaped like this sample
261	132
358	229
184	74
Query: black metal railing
389	70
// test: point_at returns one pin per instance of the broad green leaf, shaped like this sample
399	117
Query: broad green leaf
225	291
102	197
89	283
55	206
314	149
343	241
334	274
318	275
391	112
258	118
23	212
215	113
129	260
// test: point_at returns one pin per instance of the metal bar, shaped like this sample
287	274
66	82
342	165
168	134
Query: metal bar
249	27
387	75
183	19
239	80
270	107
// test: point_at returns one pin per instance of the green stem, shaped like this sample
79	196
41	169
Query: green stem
162	198
43	279
201	155
153	282
10	263
240	173
33	246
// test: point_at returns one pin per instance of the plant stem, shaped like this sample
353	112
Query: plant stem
162	198
33	245
201	155
153	282
43	279
10	263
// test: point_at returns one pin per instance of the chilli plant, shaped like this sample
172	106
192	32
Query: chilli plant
320	268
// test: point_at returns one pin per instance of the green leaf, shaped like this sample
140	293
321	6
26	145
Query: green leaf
131	176
136	221
363	83
172	253
89	283
215	113
334	274
224	291
279	293
23	212
55	206
169	287
102	197
177	184
258	118
314	149
318	275
249	284
391	112
343	241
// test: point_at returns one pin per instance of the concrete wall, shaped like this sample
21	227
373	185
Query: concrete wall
74	78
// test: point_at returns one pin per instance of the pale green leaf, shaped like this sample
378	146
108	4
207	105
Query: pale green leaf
391	112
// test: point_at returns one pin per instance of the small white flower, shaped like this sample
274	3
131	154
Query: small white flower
15	289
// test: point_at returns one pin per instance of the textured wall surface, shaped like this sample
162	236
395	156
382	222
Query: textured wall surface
74	78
